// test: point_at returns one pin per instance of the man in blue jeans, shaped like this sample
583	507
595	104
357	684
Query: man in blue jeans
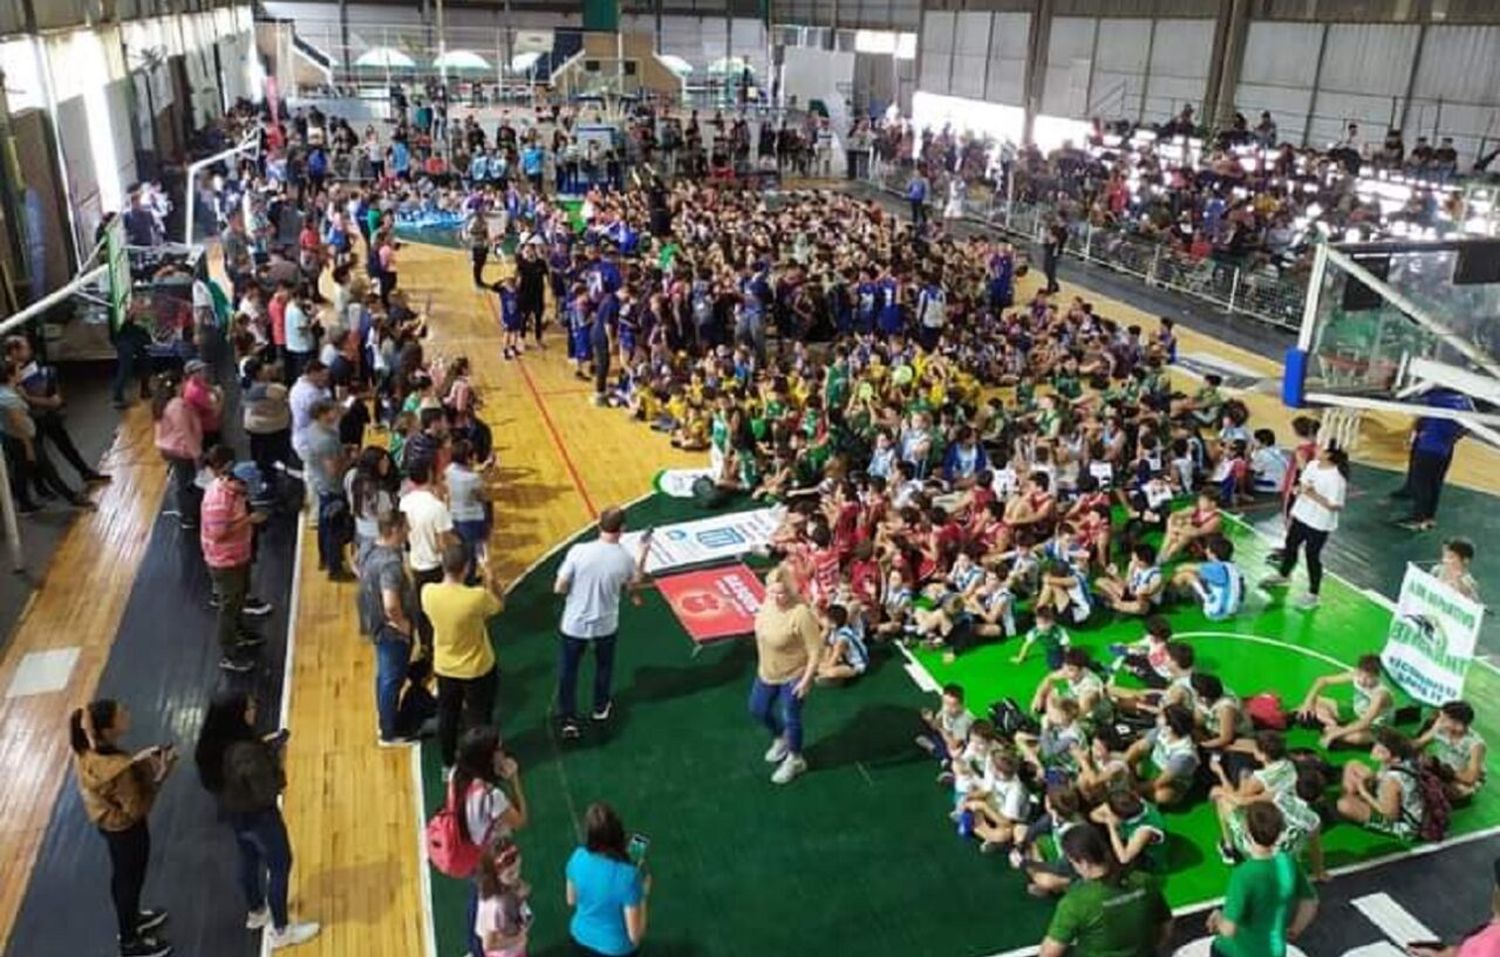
325	465
592	577
387	616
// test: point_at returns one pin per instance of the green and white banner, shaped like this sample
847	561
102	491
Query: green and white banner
678	483
1432	638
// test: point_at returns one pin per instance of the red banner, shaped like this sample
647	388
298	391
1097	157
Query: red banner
714	603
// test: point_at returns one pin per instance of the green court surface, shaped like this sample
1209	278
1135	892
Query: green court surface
859	854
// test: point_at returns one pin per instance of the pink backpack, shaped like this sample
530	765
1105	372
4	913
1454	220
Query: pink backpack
447	849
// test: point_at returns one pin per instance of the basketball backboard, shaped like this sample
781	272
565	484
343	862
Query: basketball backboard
1384	325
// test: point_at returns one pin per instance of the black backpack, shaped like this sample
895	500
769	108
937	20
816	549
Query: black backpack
1009	719
708	495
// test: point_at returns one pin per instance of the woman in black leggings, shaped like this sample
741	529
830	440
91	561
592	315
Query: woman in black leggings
118	790
1321	490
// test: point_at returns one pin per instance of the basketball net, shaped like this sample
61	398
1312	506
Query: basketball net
1340	425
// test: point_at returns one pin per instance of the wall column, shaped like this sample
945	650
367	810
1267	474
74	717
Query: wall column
1038	38
345	59
1231	32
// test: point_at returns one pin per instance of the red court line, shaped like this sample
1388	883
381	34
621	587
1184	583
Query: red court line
557	441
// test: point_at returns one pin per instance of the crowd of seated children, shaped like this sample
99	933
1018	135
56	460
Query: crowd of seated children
1295	789
1003	477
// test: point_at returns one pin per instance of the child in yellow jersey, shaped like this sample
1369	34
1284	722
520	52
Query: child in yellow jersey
677	407
692	433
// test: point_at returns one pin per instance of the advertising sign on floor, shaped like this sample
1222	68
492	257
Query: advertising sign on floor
718	538
714	603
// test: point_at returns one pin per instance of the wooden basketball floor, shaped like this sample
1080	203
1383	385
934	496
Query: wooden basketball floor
351	806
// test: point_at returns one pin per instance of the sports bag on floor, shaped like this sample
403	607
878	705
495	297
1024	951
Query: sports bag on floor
1266	712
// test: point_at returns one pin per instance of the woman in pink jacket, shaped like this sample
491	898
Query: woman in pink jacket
179	439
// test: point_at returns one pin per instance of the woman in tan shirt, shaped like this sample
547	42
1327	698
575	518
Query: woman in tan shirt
787	643
118	790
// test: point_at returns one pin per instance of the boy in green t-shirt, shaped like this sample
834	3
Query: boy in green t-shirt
1046	631
1105	914
1269	901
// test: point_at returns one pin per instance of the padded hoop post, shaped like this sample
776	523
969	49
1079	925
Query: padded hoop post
1294	380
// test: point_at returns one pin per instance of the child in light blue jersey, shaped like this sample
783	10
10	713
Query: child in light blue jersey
1218	582
845	656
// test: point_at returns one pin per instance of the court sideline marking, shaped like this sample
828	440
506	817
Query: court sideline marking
557	441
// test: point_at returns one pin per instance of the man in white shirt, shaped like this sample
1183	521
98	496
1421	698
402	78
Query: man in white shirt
310	387
592	577
430	530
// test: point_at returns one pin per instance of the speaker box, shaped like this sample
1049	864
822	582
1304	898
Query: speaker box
1357	296
1478	263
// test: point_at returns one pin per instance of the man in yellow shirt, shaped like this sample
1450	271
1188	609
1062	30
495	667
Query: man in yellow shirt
462	656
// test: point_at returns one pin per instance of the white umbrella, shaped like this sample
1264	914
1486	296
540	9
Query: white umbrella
676	64
728	64
462	60
385	58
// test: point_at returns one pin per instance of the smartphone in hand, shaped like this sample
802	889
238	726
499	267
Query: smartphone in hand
639	843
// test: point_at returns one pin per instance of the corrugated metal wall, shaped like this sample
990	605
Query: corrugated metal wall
1005	82
1366	69
1457	88
900	15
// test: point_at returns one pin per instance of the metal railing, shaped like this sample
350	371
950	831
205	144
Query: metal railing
1264	293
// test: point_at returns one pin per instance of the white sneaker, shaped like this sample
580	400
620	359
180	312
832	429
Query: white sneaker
1308	601
1274	581
293	934
788	769
778	751
257	919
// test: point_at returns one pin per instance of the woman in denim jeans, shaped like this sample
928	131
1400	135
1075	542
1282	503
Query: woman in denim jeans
243	770
788	642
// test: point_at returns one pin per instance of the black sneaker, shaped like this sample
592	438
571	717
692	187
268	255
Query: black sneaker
602	714
237	666
1228	854
249	639
145	947
341	575
149	920
571	731
257	607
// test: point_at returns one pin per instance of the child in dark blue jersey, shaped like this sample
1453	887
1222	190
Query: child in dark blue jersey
510	317
576	315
